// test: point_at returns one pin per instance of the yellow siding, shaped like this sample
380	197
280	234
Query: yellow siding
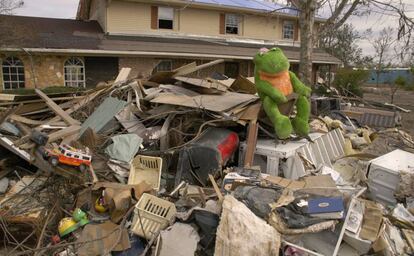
128	17
199	22
262	27
124	17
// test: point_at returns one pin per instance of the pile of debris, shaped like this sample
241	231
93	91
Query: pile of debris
177	165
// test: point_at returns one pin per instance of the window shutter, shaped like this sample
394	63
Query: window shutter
222	23
296	33
154	17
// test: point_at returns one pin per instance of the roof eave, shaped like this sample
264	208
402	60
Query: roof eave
123	53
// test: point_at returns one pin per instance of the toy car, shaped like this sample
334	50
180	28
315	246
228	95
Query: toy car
68	155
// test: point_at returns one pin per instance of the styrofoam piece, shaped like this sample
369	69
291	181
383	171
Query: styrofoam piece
146	168
151	215
384	174
269	154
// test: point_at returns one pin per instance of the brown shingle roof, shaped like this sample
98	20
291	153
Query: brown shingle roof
33	32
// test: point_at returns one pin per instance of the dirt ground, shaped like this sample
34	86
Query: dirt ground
402	98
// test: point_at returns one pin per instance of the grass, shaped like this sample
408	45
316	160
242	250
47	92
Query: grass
47	90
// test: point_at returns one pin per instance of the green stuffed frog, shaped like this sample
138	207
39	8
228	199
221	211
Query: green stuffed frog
275	83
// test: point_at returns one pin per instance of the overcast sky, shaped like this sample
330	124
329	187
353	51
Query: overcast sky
67	9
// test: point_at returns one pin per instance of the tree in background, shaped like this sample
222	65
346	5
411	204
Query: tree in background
399	83
341	43
382	45
339	12
8	6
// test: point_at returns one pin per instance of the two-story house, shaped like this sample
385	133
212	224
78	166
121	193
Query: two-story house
147	36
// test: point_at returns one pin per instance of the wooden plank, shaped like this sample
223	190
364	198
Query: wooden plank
123	75
77	105
216	103
251	112
244	85
63	133
203	83
7	97
25	120
206	65
58	111
216	188
251	143
22	141
186	69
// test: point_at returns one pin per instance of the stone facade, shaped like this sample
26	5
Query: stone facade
47	70
40	70
140	67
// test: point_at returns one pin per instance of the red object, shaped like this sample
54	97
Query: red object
55	239
228	146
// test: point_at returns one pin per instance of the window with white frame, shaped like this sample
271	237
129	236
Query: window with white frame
232	24
74	71
13	73
164	65
288	30
165	17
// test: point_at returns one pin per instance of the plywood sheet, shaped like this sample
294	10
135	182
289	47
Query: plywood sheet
216	103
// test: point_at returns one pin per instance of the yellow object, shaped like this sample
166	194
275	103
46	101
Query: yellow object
99	207
66	226
348	148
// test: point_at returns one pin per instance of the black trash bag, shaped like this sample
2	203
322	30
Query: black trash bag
296	217
257	199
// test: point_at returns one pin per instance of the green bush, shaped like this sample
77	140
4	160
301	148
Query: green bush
400	82
349	81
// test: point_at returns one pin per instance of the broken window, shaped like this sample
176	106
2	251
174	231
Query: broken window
288	30
232	24
165	17
74	71
13	73
164	65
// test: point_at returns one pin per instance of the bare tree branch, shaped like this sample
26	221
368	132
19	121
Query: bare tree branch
8	6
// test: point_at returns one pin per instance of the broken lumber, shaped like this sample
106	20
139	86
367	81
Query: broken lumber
55	108
71	130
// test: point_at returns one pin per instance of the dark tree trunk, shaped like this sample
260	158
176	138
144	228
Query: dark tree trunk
306	24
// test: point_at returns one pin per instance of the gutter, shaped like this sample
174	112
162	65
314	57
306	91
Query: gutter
115	53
